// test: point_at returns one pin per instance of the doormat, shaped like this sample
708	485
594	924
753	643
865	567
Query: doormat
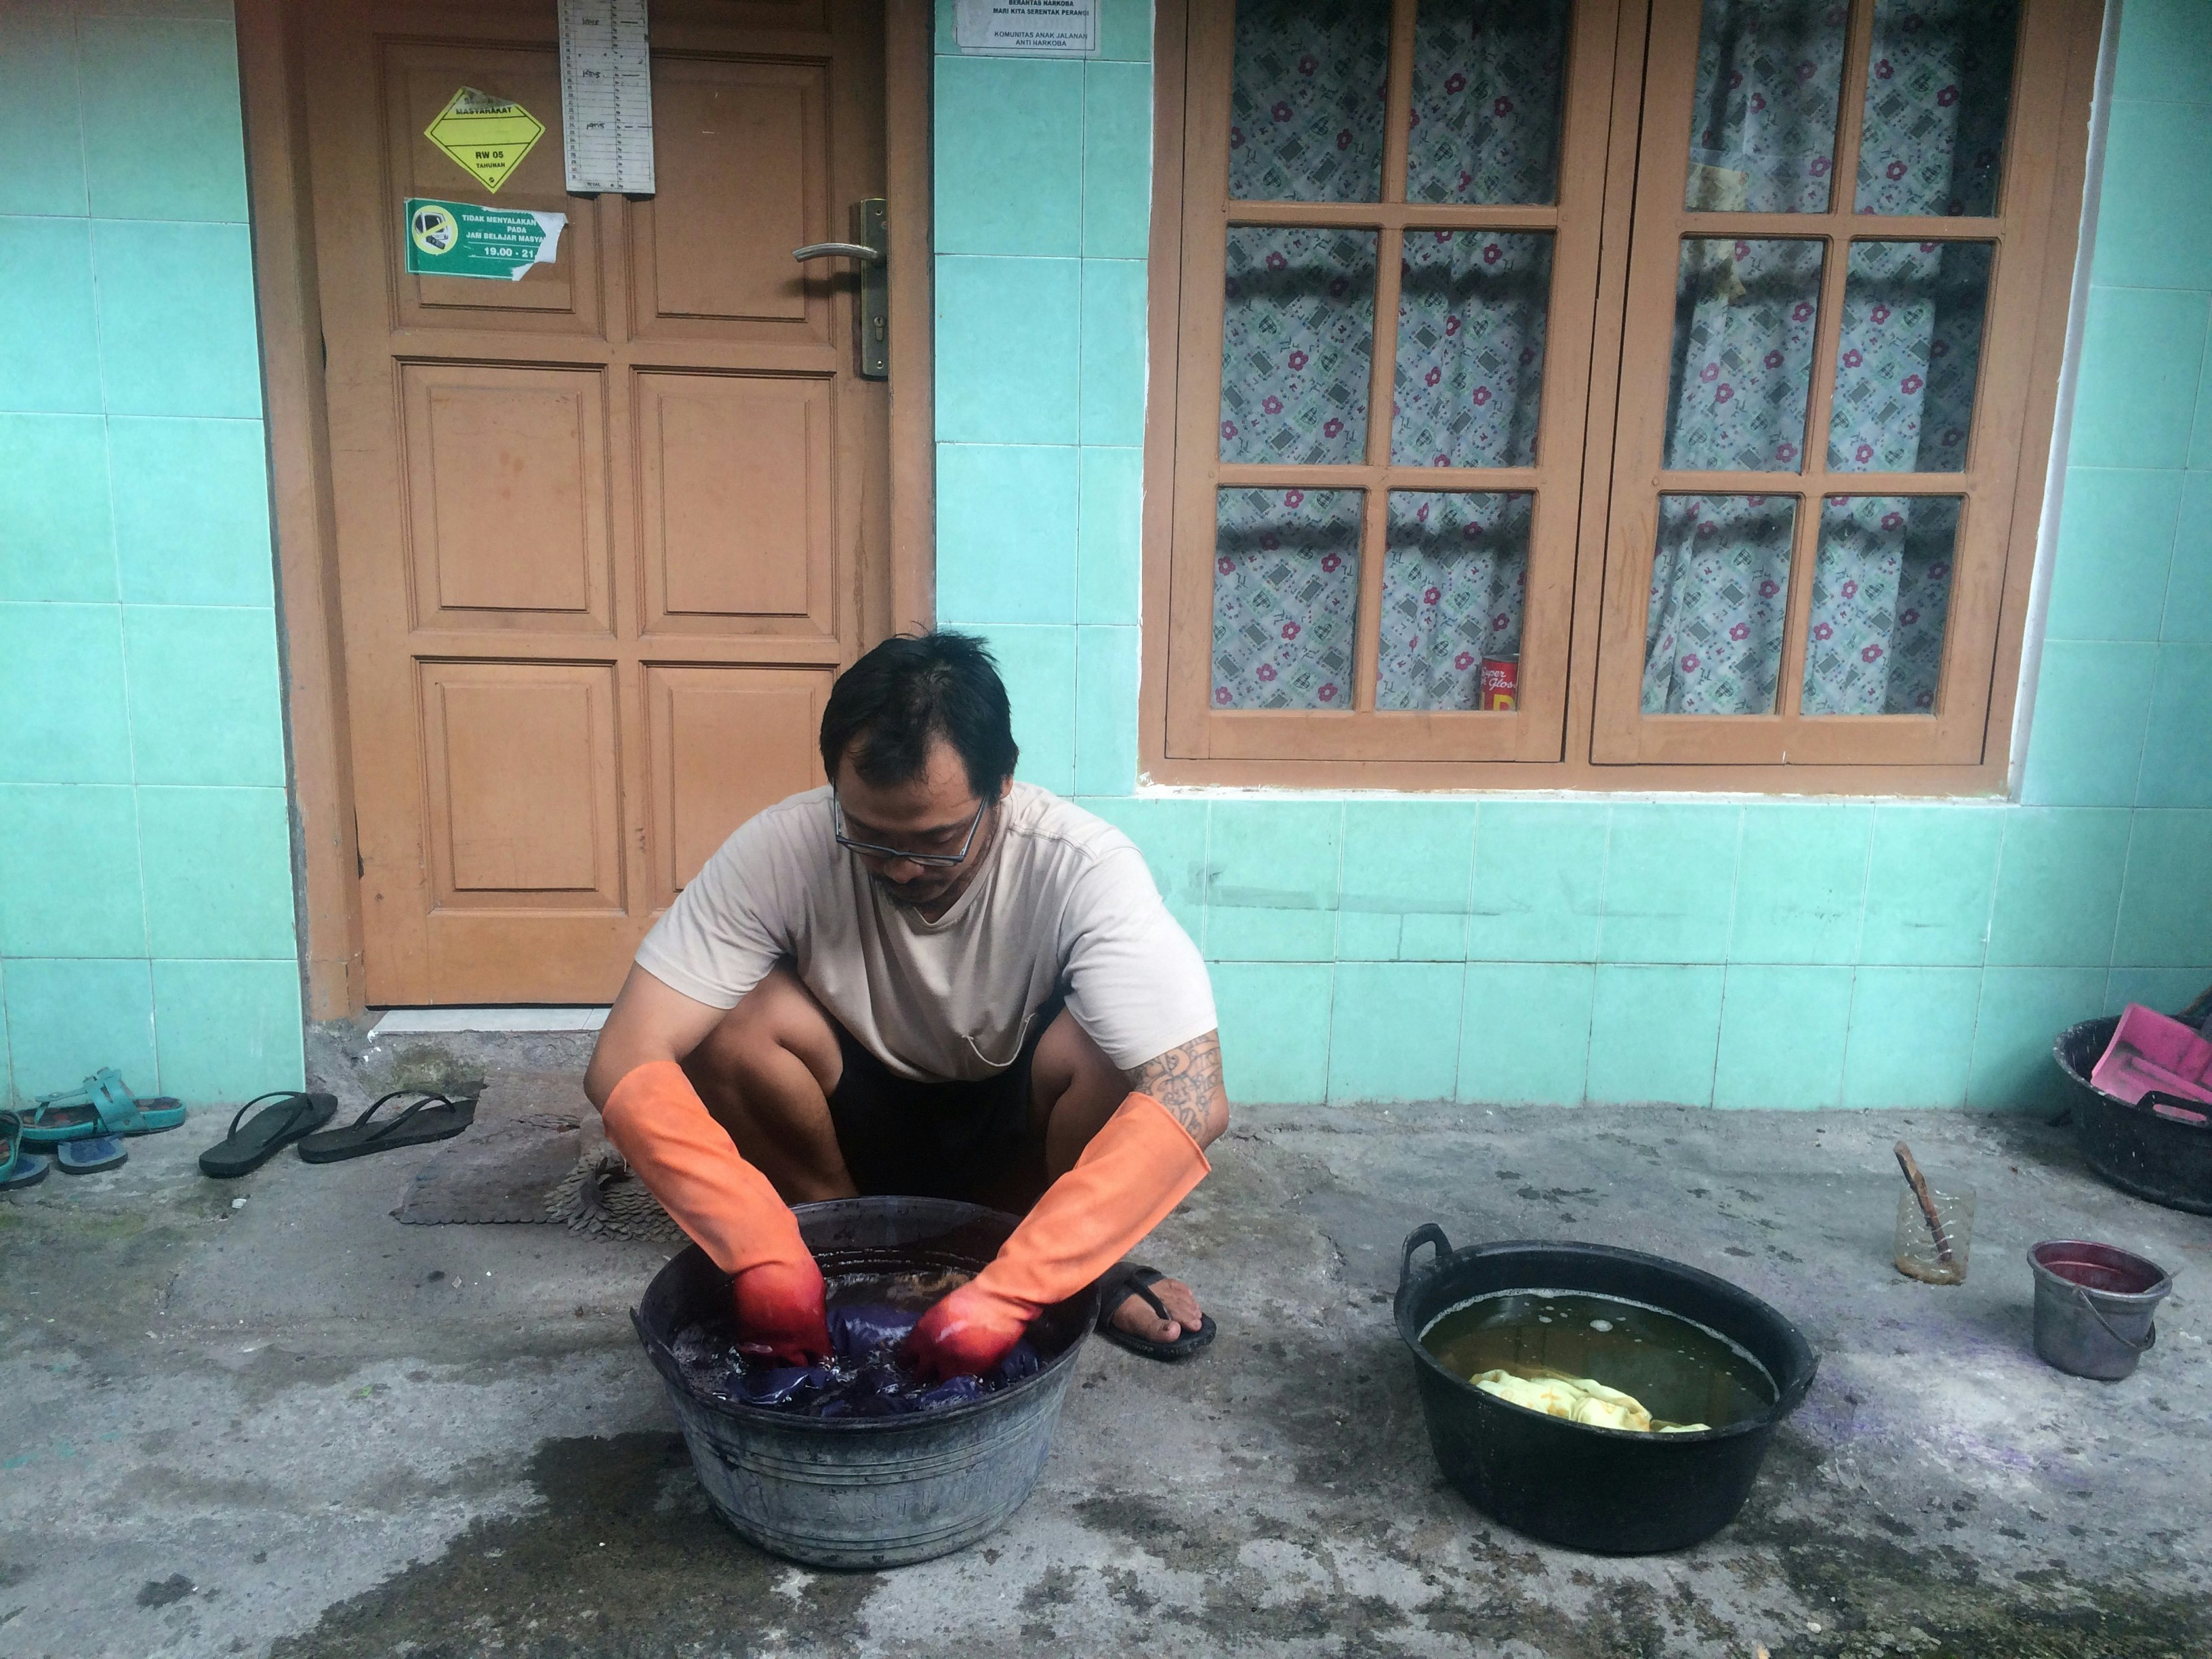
536	1157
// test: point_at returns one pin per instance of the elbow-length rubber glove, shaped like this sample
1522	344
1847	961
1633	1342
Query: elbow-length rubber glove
1136	1169
656	1119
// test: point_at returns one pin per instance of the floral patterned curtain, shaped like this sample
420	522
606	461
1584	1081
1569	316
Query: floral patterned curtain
1880	590
1285	579
1306	116
1939	91
1763	123
1487	79
1305	110
1296	328
1908	359
1455	582
1306	125
1713	633
1470	377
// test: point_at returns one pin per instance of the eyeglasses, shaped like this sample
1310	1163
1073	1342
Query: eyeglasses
869	849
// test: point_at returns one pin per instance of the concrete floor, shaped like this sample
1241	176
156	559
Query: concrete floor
292	1426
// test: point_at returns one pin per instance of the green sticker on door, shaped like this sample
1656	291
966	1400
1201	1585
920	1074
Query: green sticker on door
460	239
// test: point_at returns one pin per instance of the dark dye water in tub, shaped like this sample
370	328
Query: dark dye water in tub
1681	1371
870	1314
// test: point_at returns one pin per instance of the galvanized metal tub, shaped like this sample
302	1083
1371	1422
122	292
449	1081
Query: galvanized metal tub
869	1492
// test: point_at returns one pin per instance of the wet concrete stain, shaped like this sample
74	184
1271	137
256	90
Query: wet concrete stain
1485	1587
1880	1593
163	1592
623	1556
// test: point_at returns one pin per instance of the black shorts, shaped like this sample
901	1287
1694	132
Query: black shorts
962	1140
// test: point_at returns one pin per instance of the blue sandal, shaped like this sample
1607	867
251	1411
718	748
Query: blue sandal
90	1156
17	1166
103	1107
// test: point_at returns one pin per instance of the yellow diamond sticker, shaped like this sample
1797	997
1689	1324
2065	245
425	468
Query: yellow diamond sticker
487	136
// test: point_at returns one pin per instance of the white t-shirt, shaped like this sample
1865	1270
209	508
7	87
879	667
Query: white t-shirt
1063	901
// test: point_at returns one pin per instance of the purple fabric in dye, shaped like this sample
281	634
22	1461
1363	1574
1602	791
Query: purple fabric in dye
864	1376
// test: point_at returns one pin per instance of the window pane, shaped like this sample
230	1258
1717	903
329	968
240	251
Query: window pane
1470	375
1881	589
1744	318
1763	126
1939	90
1305	112
1911	347
1297	344
1487	76
1712	643
1454	581
1286	589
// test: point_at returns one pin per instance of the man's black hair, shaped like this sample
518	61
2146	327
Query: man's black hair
886	709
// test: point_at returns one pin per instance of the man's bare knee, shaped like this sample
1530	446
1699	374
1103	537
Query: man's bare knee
754	1045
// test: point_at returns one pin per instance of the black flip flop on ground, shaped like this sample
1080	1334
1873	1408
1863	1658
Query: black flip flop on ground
1127	1279
432	1117
244	1148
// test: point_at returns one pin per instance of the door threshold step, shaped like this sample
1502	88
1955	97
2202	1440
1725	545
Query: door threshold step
412	1022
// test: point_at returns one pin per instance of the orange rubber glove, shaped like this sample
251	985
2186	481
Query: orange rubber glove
1136	1169
656	1119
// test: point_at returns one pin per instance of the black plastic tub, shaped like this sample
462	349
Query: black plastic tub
1610	1491
866	1493
2160	1149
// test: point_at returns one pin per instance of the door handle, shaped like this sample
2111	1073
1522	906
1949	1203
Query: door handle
871	248
837	251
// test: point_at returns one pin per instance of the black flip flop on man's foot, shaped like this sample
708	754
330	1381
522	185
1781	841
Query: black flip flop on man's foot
432	1117
246	1146
1127	1279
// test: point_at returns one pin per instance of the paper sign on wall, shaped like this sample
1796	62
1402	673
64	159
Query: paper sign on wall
486	136
460	239
1027	28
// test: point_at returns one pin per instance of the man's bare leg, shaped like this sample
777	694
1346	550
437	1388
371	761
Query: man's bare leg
766	1072
1073	1090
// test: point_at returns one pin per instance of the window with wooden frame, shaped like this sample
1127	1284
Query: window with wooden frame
1703	441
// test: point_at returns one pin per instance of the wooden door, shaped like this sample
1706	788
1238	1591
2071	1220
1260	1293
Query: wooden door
606	534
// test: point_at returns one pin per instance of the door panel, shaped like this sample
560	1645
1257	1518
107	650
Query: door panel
418	80
741	147
508	476
726	742
523	794
605	534
735	474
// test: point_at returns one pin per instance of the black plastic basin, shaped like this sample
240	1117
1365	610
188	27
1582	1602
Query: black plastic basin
2160	1148
1610	1491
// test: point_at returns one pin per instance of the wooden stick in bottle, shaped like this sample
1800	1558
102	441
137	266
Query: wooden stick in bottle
1919	1183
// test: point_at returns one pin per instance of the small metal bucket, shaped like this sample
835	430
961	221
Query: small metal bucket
2094	1307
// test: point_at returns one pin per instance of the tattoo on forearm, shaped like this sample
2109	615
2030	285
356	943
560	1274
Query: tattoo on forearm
1185	1080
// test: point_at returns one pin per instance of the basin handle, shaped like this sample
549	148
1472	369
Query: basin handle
2177	1107
2150	1335
1427	1233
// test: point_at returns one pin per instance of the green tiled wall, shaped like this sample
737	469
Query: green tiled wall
1041	383
1785	953
1740	954
145	865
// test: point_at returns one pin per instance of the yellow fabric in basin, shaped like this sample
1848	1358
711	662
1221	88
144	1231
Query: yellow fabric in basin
1578	1400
